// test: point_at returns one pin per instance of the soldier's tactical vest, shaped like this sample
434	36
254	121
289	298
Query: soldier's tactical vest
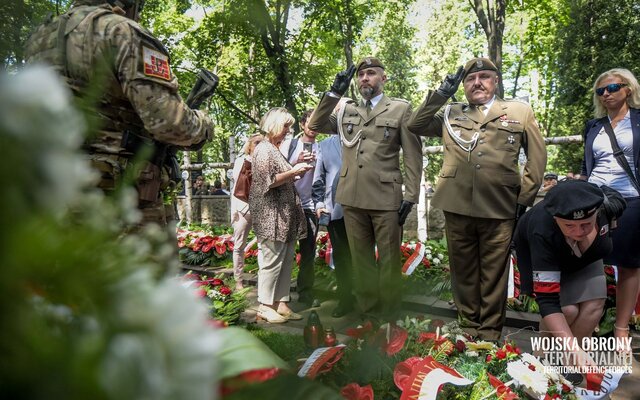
85	64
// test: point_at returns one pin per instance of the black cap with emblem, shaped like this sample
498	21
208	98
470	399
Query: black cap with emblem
369	62
573	200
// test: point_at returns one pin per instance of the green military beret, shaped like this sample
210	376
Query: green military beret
369	62
479	64
573	199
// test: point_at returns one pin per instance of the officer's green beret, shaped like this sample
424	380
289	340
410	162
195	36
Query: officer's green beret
479	64
573	199
369	62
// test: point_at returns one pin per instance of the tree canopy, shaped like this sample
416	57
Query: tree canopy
286	52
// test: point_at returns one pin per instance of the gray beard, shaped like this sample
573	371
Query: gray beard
367	92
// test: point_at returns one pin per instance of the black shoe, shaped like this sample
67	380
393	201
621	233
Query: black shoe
309	301
341	310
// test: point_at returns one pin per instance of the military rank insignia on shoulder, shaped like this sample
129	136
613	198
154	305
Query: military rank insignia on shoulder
519	100
156	64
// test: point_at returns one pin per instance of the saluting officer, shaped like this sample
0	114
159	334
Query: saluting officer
97	44
480	188
370	186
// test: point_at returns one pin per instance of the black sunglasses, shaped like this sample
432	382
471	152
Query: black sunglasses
611	88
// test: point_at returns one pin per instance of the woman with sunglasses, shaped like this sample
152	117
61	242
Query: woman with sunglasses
616	99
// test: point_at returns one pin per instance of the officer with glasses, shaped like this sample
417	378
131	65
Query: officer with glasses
616	101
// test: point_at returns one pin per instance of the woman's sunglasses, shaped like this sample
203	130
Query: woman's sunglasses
611	88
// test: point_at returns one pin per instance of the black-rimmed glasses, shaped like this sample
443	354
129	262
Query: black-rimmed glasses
611	88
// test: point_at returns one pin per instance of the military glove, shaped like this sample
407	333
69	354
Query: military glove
614	204
403	211
204	87
450	84
343	78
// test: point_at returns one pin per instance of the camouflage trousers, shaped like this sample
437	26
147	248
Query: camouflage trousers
111	169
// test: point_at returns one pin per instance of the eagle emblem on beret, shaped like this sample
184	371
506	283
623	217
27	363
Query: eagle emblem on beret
479	64
368	61
578	214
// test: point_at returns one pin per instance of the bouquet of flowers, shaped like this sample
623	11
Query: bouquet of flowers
225	305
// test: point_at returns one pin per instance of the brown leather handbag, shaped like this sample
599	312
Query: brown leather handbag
243	184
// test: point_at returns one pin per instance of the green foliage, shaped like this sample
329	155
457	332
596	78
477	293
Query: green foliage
287	346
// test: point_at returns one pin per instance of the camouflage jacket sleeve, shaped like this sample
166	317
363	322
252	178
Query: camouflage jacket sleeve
143	70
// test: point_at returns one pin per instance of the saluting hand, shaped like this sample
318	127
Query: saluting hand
343	78
449	85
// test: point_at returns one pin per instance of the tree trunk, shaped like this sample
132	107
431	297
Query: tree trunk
492	19
272	34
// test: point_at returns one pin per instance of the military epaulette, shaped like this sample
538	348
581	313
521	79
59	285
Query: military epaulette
398	99
148	36
518	100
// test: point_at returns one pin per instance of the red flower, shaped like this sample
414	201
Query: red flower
191	276
259	375
488	359
207	248
402	371
214	323
359	333
608	269
201	293
461	346
225	290
425	262
501	354
298	257
353	391
397	340
230	246
611	290
504	392
217	282
322	253
221	248
323	239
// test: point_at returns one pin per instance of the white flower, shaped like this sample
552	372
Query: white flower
163	347
436	261
532	381
441	256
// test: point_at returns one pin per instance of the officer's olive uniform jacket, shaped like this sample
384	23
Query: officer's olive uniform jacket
370	177
489	184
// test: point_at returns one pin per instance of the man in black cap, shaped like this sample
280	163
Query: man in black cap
480	188
560	244
550	180
372	132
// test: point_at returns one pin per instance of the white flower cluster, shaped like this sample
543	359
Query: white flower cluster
36	112
433	257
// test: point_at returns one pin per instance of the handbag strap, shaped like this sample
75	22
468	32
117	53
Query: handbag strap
619	154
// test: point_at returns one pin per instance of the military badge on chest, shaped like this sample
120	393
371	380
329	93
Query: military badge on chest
505	122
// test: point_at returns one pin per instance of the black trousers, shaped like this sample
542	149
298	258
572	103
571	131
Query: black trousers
306	275
341	260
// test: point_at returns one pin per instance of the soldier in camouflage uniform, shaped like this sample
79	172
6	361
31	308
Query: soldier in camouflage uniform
98	45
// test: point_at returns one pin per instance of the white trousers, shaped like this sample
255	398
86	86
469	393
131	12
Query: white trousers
241	226
274	272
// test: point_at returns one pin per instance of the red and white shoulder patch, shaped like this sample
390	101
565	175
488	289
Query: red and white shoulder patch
156	64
